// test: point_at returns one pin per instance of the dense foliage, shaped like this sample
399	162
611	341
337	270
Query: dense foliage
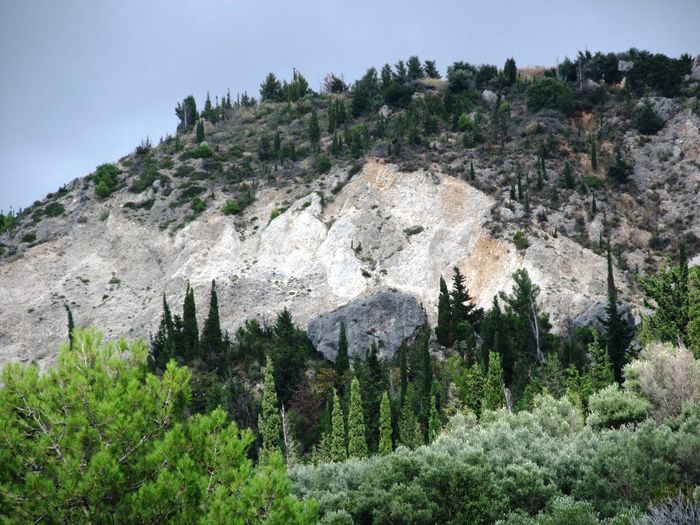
98	439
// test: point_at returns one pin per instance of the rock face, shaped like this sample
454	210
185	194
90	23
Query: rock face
387	318
592	316
384	229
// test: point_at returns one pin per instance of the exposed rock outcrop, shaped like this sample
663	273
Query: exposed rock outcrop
388	318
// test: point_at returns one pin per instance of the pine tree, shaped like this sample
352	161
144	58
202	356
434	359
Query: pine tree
443	330
510	71
415	68
357	439
342	361
568	180
339	451
71	325
434	422
199	132
431	70
463	313
386	445
618	333
187	113
190	331
211	340
269	423
494	396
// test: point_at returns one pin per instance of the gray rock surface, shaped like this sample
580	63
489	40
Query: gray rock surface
595	313
388	318
489	96
625	65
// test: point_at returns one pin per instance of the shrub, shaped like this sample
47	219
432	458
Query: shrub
198	205
105	179
274	214
613	407
202	151
29	237
323	163
520	240
54	209
666	375
548	93
231	207
647	121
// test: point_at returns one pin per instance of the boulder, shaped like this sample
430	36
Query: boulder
384	111
695	70
594	316
625	65
388	318
489	97
590	85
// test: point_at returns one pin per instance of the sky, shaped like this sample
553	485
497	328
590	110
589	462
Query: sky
83	82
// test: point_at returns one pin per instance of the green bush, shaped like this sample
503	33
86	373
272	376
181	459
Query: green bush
613	407
548	93
105	179
520	240
202	151
323	163
198	205
231	207
647	121
29	237
54	209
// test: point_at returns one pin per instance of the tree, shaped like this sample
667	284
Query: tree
290	445
594	154
187	113
96	438
339	451
342	361
314	130
668	294
549	93
269	423
190	331
373	384
647	121
494	396
386	445
600	369
620	170
431	70
434	422
71	325
510	71
199	131
410	433
211	342
365	93
443	330
618	334
415	68
568	179
357	439
271	89
465	317
163	343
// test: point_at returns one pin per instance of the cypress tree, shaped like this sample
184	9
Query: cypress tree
601	371
211	340
190	331
568	181
373	385
403	373
385	442
199	132
410	433
163	344
594	207
342	361
473	387
512	194
338	450
594	154
520	185
618	334
71	325
357	439
269	423
472	175
494	397
434	422
443	330
314	130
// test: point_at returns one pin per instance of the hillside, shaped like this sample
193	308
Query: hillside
412	192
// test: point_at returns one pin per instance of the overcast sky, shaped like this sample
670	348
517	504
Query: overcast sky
84	81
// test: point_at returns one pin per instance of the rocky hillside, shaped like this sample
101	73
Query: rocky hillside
280	217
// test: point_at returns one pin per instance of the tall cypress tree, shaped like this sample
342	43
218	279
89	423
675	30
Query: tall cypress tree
494	396
618	333
269	422
403	373
314	130
373	385
342	361
163	343
443	330
190	331
594	154
199	131
410	433
211	341
601	370
386	445
434	422
71	325
338	449
357	439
